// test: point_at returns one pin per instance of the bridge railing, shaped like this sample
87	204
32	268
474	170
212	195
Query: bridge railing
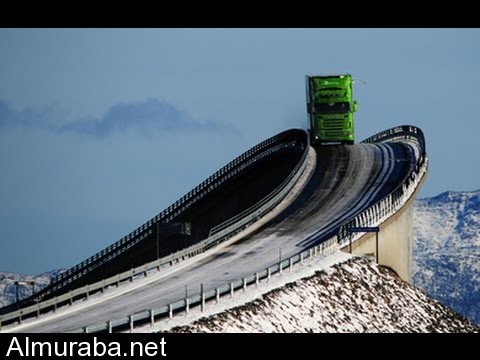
212	295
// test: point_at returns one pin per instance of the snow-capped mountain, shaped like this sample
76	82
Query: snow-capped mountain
354	296
446	255
8	288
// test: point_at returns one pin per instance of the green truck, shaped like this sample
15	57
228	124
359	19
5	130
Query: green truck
330	108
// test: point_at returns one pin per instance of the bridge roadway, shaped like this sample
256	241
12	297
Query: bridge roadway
346	180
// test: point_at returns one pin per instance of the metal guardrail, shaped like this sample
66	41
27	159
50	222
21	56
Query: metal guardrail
374	215
210	295
221	233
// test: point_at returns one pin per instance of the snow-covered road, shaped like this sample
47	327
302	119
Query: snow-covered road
346	180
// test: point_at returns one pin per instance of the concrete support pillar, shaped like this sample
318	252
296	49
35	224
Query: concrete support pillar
395	243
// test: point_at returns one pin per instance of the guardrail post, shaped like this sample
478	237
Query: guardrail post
118	280
290	265
202	307
231	290
256	279
280	268
130	320
310	253
170	311
71	297
109	326
85	329
269	273
131	276
301	258
217	295
187	306
350	243
152	318
88	291
244	284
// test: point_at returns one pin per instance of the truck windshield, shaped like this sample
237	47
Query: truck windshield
329	108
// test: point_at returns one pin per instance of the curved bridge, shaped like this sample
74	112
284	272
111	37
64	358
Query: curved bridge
269	208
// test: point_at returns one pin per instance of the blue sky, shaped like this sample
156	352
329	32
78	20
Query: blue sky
101	129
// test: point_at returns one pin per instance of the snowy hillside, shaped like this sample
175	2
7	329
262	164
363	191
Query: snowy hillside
8	288
447	250
355	296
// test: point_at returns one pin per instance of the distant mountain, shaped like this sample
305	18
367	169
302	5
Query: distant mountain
8	289
446	254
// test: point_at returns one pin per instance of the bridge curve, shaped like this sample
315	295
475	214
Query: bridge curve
348	186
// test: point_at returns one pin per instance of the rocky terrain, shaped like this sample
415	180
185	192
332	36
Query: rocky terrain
446	255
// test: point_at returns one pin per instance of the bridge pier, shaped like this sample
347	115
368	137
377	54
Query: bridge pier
395	242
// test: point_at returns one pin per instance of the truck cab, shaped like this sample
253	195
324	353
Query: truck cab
330	108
